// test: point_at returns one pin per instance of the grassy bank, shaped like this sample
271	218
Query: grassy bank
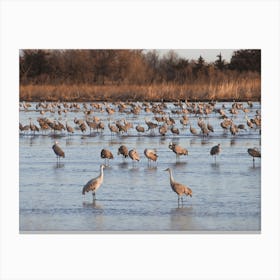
242	90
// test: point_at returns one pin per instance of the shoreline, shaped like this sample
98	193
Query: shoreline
224	92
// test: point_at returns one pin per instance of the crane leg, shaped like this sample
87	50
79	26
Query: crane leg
93	196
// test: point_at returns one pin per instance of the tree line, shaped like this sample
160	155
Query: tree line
132	67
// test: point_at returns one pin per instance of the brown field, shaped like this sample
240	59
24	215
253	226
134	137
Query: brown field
241	90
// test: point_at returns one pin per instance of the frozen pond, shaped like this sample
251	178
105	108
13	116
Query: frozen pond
138	198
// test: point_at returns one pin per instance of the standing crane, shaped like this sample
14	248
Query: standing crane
178	188
215	151
107	155
254	152
133	154
58	151
178	150
123	150
151	155
94	184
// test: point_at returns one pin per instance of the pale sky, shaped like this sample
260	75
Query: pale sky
210	55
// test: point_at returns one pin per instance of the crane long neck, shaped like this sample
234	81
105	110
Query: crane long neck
101	172
171	176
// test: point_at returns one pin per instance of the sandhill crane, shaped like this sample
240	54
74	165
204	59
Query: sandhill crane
107	155
25	128
178	150
113	128
178	188
249	123
163	129
184	121
33	127
174	130
200	122
133	154
233	129
250	103
204	130
151	125
110	111
43	124
58	151
123	150
226	123
83	127
140	128
193	130
151	155
215	151
92	125
95	183
101	126
69	128
78	121
61	125
241	126
254	152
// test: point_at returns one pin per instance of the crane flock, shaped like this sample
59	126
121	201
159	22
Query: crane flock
160	119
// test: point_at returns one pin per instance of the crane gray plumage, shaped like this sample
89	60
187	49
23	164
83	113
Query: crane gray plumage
254	152
178	188
151	155
140	128
113	128
193	130
163	129
69	128
107	155
133	154
175	130
94	184
178	150
215	151
58	151
123	150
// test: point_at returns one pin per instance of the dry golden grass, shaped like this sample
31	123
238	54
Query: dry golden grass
242	90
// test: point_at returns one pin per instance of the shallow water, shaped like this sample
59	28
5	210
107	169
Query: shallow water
138	197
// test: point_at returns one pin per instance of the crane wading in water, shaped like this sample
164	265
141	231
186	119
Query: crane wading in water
107	155
58	151
215	151
254	152
95	183
178	150
151	155
178	188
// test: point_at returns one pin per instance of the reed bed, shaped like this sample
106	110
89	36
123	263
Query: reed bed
240	90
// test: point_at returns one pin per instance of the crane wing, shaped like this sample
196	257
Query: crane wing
58	151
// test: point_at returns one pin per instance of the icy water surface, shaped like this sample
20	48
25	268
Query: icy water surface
137	197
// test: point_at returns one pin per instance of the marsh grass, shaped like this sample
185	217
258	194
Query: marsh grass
242	90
